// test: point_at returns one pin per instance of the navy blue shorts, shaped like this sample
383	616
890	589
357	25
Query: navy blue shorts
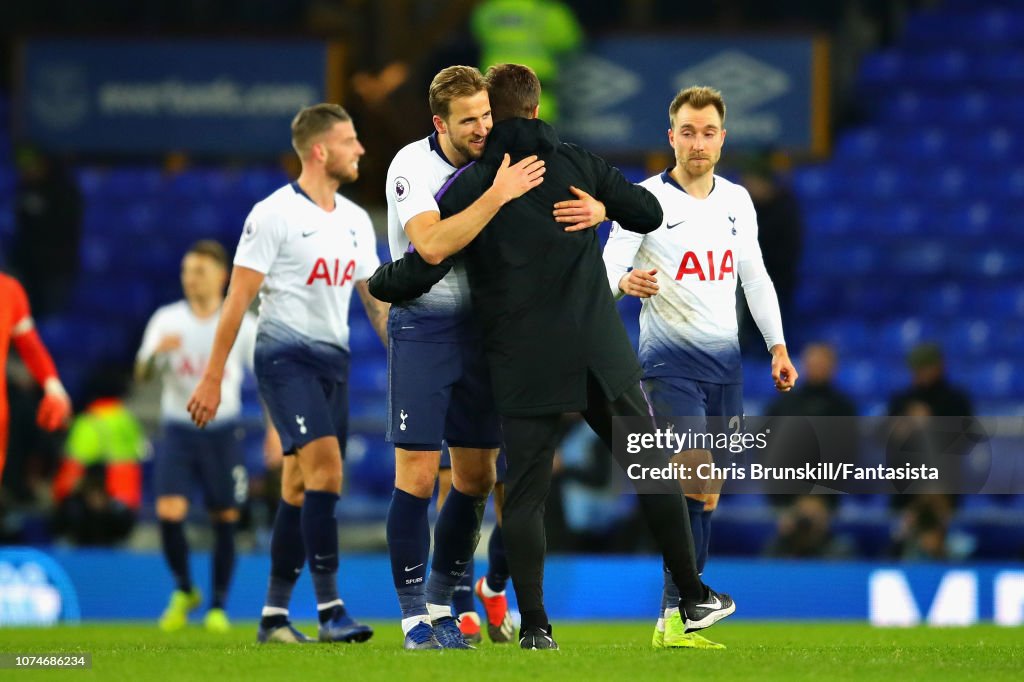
500	465
305	389
440	391
211	456
716	407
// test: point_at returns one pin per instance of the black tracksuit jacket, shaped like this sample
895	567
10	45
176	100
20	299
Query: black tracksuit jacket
539	293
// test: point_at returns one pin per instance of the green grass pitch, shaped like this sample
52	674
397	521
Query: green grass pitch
827	652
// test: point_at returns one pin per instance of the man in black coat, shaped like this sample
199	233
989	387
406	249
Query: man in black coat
553	338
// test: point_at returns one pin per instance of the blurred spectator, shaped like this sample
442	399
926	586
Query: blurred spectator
924	533
98	489
597	515
815	395
780	233
805	532
48	230
537	33
930	393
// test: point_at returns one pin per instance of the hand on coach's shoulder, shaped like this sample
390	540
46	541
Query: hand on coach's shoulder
513	181
639	283
583	212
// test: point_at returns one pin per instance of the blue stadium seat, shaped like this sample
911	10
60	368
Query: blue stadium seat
1000	379
368	375
990	263
1004	70
899	336
920	259
812	182
883	68
860	144
948	67
948	300
922	144
971	336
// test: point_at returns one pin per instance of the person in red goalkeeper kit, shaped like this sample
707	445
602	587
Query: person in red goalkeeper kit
17	327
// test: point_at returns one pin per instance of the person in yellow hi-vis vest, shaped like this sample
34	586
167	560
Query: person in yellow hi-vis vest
98	488
537	33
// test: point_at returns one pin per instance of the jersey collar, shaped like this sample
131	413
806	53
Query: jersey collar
667	178
435	146
298	190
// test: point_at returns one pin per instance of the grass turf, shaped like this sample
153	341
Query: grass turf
590	651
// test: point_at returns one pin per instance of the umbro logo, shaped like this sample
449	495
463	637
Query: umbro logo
669	226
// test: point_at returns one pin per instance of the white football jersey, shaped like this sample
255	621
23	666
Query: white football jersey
181	369
311	258
416	175
702	249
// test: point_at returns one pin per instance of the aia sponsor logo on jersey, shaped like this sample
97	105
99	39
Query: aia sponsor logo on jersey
705	268
334	275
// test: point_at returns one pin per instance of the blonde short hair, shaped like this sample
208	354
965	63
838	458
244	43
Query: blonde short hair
313	121
698	97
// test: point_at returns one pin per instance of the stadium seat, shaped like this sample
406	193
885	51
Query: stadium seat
946	67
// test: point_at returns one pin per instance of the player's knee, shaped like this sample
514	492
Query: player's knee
416	472
225	515
477	482
173	508
326	480
419	482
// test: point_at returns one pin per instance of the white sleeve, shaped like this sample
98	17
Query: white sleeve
367	260
619	255
758	289
151	337
409	189
261	239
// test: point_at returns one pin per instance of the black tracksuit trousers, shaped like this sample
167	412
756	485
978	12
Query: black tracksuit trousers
530	444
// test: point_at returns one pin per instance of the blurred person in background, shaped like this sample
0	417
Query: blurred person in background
48	219
924	533
98	487
174	349
305	249
706	245
18	328
930	392
780	233
805	531
817	394
537	33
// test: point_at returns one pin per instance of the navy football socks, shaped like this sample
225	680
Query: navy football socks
408	534
287	554
456	534
320	535
175	546
497	562
223	561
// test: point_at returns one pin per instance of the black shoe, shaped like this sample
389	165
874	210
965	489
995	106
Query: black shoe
706	612
536	638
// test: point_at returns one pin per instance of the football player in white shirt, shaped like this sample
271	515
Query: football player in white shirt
689	345
439	388
174	348
305	249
